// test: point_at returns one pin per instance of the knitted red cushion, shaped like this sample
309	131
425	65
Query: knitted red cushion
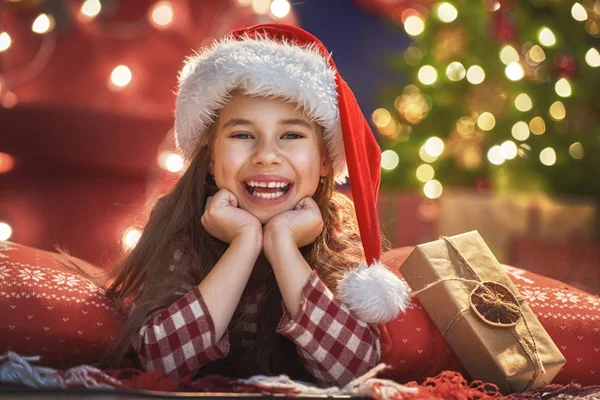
415	348
49	310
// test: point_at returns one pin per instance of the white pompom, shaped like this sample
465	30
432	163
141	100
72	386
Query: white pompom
374	294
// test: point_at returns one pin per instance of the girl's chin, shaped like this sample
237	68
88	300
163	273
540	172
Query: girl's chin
264	215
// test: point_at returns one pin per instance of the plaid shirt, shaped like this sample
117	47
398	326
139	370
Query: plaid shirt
335	347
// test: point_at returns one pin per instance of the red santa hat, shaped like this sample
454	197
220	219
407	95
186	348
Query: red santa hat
288	62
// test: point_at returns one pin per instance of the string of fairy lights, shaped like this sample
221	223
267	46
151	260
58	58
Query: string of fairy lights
160	15
412	106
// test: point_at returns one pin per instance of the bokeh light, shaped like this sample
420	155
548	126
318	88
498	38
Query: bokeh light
576	151
131	238
557	111
475	74
425	172
389	159
434	146
5	41
520	131
546	37
42	24
280	8
121	76
456	71
486	121
508	55
447	12
578	12
427	75
548	156
495	155
523	102
563	87
5	231
414	26
433	189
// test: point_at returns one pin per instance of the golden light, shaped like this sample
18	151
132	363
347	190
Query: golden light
591	27
5	231
471	157
563	87
7	162
414	25
576	151
91	8
131	238
42	24
465	126
524	150
514	71
161	14
495	155
475	75
280	8
425	156
548	156
558	111
433	189
244	2
509	149
578	12
10	100
447	12
546	37
412	107
427	75
537	126
537	55
389	159
456	71
121	76
170	161
381	117
261	6
592	58
520	131
413	55
434	146
508	55
523	102
5	41
425	173
486	121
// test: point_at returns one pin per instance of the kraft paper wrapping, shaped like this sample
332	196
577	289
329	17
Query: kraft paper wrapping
506	356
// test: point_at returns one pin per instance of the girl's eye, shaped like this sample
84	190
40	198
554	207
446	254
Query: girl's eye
242	135
292	135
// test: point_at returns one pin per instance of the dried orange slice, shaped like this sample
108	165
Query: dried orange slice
495	304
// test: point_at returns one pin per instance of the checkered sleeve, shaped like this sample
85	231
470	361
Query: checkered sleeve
181	338
335	346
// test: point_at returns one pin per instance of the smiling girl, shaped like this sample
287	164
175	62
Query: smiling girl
253	264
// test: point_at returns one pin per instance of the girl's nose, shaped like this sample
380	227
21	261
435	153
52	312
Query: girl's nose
267	153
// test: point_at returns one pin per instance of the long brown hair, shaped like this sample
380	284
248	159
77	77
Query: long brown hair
143	282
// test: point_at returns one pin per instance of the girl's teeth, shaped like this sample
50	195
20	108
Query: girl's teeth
268	195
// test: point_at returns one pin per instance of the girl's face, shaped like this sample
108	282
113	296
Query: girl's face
268	153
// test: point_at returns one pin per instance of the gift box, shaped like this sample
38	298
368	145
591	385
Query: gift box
481	314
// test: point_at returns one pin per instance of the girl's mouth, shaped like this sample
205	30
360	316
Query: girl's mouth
267	191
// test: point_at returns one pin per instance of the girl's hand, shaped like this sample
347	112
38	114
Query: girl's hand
304	223
224	220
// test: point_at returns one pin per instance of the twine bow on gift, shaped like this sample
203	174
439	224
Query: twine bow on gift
496	305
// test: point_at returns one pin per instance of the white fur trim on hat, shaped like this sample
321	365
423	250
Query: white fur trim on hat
374	294
258	66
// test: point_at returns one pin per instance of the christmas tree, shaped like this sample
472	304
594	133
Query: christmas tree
499	95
